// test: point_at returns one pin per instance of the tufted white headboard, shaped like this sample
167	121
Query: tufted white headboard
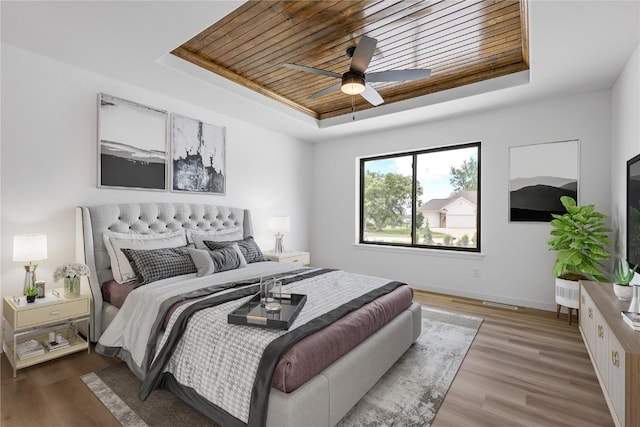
141	218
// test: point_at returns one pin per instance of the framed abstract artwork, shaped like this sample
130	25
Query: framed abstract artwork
132	145
539	175
197	156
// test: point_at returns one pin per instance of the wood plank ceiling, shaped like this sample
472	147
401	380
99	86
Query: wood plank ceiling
461	41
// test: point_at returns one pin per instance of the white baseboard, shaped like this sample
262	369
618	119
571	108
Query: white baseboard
487	297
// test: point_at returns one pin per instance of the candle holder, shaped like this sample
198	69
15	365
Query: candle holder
273	300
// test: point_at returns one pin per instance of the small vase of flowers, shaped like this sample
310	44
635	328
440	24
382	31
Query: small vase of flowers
71	273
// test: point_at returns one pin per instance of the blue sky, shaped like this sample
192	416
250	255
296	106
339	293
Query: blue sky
433	170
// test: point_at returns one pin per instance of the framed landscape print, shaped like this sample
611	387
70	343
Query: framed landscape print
132	145
197	156
539	175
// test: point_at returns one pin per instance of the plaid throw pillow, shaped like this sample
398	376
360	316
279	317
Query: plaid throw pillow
157	264
249	248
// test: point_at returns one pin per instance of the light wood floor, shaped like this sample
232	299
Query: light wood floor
525	368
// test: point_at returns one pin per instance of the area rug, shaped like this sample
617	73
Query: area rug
409	394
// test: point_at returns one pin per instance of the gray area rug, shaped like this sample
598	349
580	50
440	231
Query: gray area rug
409	394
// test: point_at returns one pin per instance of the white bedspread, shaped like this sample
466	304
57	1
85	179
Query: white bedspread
131	327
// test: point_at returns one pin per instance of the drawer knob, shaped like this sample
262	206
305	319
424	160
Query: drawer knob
54	313
600	331
590	313
615	360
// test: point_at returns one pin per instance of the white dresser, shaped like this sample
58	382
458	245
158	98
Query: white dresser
614	349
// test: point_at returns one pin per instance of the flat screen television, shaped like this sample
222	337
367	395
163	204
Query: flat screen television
633	211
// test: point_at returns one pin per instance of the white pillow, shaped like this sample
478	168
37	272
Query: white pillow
198	236
120	266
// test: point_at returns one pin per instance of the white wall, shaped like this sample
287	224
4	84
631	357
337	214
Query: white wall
49	161
625	141
515	265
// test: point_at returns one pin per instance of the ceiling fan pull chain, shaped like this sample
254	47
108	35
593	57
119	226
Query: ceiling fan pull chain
353	108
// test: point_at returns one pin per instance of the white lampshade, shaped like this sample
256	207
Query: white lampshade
279	224
29	247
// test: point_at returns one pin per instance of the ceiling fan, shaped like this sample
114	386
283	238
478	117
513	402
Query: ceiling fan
355	81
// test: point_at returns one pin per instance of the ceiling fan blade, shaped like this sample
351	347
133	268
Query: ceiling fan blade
326	91
312	70
371	95
363	54
398	75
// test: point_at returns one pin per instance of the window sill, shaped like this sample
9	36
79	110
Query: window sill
419	251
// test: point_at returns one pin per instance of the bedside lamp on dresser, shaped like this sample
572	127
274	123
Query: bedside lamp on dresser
29	248
279	225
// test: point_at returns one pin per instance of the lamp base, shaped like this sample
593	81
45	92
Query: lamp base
279	246
29	276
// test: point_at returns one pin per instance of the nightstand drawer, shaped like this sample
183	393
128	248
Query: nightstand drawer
51	313
291	257
302	259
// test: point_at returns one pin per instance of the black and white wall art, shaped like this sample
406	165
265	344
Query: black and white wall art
132	145
539	175
197	156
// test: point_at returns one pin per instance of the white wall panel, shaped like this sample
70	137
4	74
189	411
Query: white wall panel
515	265
625	143
49	161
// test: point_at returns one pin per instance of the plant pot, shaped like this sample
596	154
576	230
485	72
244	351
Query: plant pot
568	293
31	299
624	293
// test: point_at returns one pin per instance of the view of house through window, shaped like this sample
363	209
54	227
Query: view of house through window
428	198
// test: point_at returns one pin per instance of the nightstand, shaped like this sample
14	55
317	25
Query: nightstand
294	257
23	322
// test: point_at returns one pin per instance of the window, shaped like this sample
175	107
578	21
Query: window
428	198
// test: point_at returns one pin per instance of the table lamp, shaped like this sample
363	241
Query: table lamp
29	248
279	225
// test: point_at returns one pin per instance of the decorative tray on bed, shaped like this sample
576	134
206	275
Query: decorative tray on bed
252	313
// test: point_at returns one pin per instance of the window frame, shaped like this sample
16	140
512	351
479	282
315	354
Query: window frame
414	208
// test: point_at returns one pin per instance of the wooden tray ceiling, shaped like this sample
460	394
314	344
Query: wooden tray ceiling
462	42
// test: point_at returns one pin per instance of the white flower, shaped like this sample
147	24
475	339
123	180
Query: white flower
70	270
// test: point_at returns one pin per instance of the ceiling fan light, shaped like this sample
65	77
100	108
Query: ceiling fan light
352	84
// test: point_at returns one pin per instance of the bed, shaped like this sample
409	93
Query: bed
319	401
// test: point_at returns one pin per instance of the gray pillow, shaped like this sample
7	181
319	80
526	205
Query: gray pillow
157	264
249	248
209	262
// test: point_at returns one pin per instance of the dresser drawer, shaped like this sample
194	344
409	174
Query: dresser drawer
302	259
51	313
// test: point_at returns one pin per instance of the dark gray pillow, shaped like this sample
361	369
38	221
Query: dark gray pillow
249	248
209	262
156	264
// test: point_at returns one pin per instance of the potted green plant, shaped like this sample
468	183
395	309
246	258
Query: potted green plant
580	238
622	276
31	293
